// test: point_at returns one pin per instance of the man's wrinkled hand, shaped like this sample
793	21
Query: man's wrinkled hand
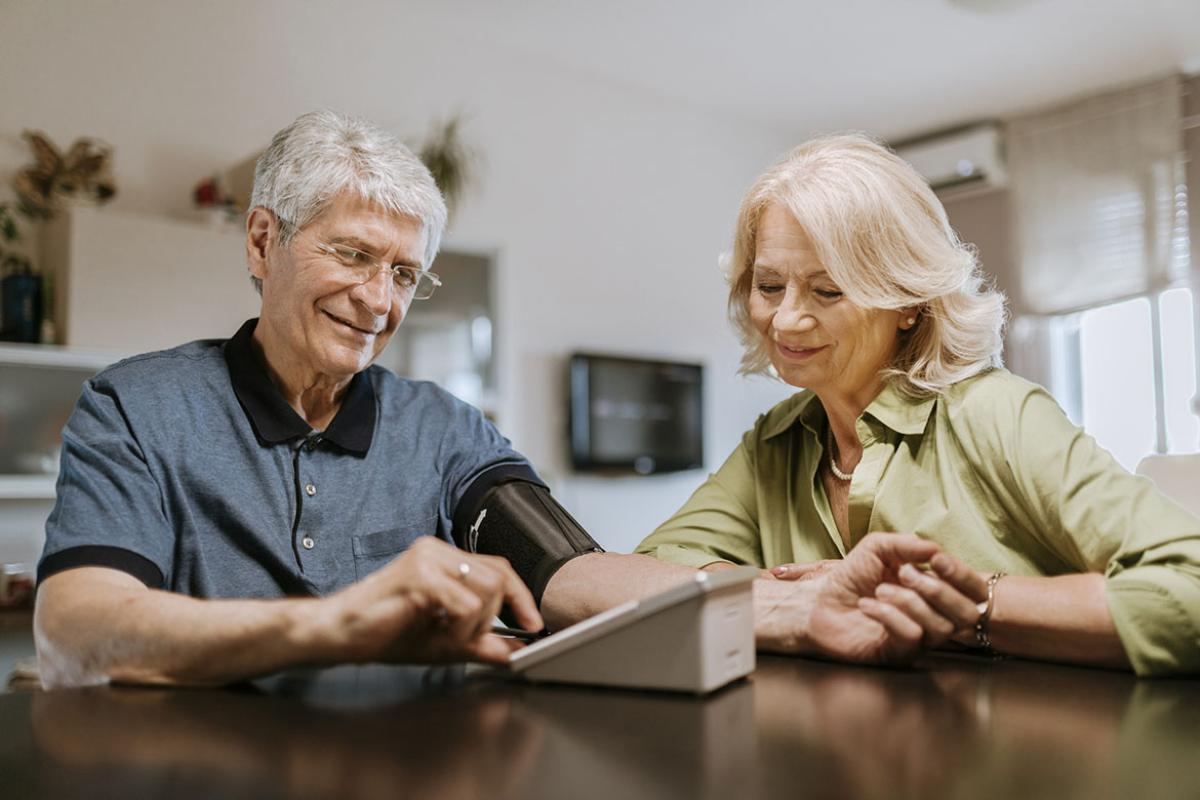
432	604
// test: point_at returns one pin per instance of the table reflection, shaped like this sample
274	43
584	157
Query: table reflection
971	728
948	728
311	737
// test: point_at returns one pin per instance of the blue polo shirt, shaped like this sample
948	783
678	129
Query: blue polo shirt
187	469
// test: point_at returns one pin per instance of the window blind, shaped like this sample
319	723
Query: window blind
1099	198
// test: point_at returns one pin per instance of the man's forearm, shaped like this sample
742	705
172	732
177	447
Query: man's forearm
595	582
592	583
94	625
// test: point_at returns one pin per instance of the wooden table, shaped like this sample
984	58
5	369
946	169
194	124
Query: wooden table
798	728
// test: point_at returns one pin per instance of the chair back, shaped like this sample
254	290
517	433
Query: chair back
1178	477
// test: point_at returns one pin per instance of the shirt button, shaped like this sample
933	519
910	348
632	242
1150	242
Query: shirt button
308	543
310	490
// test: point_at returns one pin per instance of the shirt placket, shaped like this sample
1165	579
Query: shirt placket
813	453
307	531
867	475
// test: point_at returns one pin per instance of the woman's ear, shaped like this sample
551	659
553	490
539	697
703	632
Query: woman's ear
908	318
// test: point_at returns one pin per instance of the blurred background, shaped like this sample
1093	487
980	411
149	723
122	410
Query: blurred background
606	146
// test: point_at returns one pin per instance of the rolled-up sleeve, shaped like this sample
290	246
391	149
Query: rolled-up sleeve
109	509
1098	516
719	522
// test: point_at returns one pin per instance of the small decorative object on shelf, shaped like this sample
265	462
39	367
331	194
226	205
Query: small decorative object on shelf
84	174
21	296
16	585
22	307
214	203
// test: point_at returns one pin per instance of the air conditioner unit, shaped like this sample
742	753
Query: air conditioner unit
968	159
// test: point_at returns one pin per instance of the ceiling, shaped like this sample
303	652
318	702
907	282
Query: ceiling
895	67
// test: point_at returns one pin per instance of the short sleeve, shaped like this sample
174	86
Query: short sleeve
1097	515
719	522
471	446
109	509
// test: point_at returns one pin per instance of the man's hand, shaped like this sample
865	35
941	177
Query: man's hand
96	624
855	610
434	603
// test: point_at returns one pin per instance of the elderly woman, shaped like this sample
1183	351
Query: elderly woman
848	281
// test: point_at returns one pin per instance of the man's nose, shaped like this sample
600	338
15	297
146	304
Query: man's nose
376	294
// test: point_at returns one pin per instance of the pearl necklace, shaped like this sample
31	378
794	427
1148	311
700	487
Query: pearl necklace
837	473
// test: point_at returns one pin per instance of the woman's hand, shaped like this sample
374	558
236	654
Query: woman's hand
433	603
803	571
950	590
862	613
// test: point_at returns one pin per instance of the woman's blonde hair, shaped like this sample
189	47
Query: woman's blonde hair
884	238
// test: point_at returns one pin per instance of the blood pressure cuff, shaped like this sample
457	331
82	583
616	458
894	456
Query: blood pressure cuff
507	511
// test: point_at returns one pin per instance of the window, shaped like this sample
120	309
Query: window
1104	316
1136	364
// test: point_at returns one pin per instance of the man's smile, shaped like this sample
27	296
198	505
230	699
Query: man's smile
348	324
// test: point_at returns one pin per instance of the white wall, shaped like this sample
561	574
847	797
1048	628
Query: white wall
607	206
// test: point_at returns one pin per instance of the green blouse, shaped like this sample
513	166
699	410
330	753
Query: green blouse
991	470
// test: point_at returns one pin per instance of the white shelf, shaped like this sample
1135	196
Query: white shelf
48	355
27	487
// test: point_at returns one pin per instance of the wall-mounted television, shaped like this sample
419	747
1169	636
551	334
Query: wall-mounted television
634	414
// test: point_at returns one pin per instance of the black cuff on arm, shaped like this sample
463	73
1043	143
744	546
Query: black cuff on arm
509	512
468	506
118	558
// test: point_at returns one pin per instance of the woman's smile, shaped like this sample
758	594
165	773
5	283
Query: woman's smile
798	354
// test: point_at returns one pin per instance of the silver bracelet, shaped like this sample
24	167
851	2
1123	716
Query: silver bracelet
985	614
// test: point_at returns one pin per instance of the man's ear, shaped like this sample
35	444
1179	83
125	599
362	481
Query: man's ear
262	232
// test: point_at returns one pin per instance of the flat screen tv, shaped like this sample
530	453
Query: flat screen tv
632	414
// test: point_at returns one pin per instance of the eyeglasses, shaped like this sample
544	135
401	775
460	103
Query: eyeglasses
410	283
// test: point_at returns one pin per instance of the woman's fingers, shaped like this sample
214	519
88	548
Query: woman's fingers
956	573
793	572
898	547
948	600
905	634
935	627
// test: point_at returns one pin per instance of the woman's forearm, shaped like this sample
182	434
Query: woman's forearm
1062	618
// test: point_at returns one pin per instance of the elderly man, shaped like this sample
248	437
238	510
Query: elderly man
232	508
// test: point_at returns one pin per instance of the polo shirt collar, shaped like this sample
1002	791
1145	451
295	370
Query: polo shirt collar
899	411
275	421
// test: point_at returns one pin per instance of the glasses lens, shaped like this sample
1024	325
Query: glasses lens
356	265
405	278
426	283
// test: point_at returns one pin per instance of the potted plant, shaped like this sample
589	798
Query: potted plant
20	288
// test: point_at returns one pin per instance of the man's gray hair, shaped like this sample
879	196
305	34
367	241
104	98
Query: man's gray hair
324	153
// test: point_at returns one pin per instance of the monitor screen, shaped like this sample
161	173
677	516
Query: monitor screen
635	414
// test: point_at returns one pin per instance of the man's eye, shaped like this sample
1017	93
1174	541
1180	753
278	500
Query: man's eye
405	278
352	257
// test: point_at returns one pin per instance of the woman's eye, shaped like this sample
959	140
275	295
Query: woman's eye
828	294
768	288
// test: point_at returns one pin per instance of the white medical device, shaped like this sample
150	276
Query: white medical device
695	637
